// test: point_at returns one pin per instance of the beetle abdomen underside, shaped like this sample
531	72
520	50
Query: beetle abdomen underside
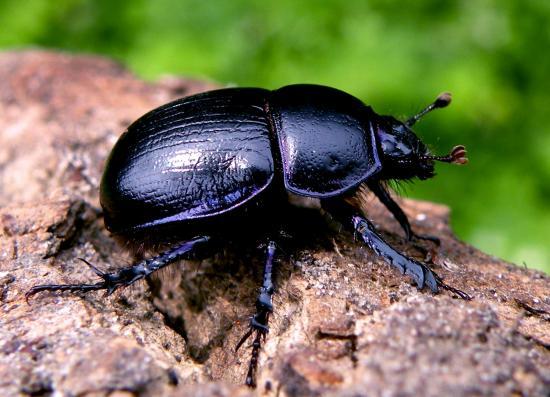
192	158
326	140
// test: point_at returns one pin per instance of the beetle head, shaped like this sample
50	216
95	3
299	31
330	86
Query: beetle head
405	156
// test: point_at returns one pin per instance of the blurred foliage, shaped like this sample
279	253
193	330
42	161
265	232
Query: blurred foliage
494	56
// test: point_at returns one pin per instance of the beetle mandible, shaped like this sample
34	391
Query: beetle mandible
200	165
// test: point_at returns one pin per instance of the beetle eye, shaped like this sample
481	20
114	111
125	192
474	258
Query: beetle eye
388	146
400	129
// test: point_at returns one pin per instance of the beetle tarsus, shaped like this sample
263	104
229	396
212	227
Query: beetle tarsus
258	322
260	331
63	287
461	294
250	380
125	276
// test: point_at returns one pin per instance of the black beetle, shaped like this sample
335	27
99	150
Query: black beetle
201	165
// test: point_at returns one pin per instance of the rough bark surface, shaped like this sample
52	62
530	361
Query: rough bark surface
345	323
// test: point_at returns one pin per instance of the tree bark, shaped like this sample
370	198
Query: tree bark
345	323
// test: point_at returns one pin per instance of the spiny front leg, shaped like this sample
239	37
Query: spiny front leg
258	322
420	273
347	214
128	275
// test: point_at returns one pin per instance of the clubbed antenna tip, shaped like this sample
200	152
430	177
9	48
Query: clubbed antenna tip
443	100
458	155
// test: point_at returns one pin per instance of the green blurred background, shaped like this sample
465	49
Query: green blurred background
494	56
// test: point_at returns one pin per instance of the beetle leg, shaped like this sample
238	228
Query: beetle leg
345	213
127	275
386	199
420	273
258	322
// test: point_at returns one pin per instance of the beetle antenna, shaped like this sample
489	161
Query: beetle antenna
458	155
442	100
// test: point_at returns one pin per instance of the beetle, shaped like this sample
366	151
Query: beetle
200	166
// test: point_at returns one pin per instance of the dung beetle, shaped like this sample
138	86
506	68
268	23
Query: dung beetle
208	164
